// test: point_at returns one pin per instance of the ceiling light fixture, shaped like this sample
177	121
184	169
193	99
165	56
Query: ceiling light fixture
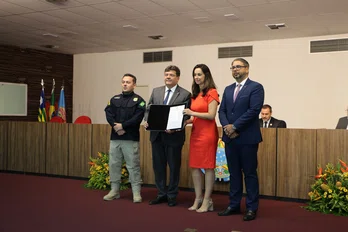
50	34
203	19
130	27
231	16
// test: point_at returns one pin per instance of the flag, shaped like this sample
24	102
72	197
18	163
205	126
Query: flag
61	105
42	110
52	108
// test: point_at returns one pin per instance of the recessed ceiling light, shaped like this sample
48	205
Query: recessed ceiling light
50	34
231	16
130	27
203	19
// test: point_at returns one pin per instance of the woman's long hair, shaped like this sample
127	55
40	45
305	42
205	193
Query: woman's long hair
208	81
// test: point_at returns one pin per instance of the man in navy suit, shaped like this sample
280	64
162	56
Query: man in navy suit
239	116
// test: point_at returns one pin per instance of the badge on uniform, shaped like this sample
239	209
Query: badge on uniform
135	99
118	97
142	104
108	103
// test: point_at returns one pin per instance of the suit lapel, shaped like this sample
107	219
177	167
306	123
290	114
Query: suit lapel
175	95
271	122
161	95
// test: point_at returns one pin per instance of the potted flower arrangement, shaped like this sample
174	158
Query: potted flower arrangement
329	193
99	173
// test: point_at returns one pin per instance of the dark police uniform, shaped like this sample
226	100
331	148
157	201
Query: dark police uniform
127	109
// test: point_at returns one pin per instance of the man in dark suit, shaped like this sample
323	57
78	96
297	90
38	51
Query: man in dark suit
239	113
167	146
343	122
267	121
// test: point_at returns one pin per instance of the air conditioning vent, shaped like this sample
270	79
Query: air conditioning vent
234	52
333	45
154	57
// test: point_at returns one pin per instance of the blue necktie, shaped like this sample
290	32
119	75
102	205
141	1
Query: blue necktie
167	97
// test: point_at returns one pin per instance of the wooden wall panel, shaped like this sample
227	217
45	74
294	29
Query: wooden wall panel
185	171
146	157
57	149
331	146
35	147
80	148
100	138
17	146
267	162
296	162
29	66
3	145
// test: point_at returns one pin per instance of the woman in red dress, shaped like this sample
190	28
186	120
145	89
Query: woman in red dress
204	136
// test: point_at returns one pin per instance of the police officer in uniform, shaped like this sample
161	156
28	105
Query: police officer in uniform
124	113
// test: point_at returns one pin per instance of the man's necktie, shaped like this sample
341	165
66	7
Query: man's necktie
236	93
265	125
167	97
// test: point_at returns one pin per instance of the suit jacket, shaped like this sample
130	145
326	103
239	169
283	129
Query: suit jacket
243	113
180	96
274	123
342	123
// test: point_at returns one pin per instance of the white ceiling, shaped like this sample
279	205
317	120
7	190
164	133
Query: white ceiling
85	26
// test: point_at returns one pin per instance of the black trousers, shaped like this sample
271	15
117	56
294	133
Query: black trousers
163	154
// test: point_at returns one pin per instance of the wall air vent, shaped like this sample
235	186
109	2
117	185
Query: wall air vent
234	52
333	45
154	57
275	26
156	37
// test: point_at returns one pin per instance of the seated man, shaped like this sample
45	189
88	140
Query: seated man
267	121
343	122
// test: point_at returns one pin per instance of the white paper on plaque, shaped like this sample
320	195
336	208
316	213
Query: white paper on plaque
175	117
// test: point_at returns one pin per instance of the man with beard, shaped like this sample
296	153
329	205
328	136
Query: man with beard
124	113
239	110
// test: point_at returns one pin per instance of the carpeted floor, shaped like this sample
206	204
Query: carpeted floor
46	204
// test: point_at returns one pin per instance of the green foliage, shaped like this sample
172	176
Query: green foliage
99	177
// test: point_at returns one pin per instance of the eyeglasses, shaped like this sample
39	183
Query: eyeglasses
237	67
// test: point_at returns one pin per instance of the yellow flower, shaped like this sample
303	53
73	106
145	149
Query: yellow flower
324	187
330	196
99	154
345	190
330	191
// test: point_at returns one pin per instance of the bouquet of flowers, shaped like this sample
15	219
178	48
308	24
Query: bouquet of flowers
99	177
329	194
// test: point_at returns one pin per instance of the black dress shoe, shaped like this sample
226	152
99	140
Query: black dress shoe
229	211
249	215
172	201
158	200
